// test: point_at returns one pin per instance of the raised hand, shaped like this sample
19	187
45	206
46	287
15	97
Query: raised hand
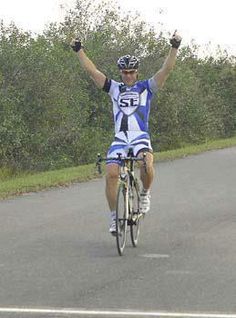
76	44
175	40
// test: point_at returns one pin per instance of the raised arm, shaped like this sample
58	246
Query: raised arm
161	76
97	76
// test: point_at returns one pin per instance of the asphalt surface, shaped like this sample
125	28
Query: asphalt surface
56	252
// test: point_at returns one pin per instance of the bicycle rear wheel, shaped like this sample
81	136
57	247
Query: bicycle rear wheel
121	217
135	220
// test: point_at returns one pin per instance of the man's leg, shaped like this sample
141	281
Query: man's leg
112	176
146	176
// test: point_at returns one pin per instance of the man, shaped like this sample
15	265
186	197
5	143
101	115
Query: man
131	105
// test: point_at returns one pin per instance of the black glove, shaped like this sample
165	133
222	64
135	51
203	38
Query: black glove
76	45
175	43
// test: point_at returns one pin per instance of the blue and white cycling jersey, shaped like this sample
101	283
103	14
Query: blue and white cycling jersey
131	108
131	105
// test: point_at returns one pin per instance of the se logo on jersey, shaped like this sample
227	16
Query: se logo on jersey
128	102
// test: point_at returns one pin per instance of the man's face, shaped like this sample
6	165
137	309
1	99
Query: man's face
129	77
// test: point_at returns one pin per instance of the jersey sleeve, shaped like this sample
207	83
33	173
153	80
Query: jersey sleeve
110	86
107	85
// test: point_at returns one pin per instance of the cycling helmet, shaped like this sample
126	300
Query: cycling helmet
128	62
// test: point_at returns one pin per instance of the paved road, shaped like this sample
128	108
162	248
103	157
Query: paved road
56	252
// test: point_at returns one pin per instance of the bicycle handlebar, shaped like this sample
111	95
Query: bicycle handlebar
119	158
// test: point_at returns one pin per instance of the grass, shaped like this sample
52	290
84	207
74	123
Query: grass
12	185
35	182
195	149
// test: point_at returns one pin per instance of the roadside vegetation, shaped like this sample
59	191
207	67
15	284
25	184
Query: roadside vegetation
53	118
21	183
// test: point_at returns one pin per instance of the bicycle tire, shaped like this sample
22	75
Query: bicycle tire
135	216
121	217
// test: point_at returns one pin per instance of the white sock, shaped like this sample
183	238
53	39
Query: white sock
113	215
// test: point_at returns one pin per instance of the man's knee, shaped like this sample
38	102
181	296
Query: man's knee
148	161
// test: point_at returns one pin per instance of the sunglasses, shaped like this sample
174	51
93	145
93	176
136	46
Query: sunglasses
129	72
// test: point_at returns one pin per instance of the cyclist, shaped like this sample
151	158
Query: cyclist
131	106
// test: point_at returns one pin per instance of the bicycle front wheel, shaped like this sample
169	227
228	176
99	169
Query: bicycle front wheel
135	215
121	217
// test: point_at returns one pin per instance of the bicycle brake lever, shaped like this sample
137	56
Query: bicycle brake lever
98	163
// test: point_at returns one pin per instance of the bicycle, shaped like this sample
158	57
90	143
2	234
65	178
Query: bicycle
128	198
